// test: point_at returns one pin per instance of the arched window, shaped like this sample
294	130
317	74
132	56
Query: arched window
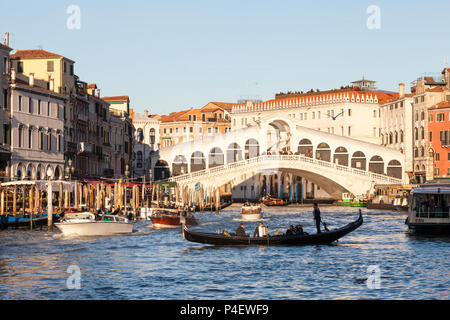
422	133
422	151
396	137
152	136
416	133
401	136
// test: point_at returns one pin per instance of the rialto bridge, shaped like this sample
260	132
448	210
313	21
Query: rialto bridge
273	155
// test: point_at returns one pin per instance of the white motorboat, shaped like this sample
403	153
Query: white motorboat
87	224
251	213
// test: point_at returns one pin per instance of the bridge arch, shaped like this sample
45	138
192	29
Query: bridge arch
341	156
234	153
162	170
376	165
323	152
198	161
179	165
216	157
252	148
359	160
305	148
394	169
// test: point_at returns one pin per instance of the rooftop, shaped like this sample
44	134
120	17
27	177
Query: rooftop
36	54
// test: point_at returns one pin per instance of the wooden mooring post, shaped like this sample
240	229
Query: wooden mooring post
50	206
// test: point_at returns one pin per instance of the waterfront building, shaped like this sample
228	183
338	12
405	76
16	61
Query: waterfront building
191	124
146	142
336	111
427	91
439	138
119	110
5	123
37	130
396	130
57	73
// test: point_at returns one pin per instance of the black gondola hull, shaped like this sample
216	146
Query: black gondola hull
294	240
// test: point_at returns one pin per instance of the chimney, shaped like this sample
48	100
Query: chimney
31	79
401	90
146	113
52	85
98	93
13	75
7	39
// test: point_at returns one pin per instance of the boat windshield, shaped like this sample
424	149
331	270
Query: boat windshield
431	205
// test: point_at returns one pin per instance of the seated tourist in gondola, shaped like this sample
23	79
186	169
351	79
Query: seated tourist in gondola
299	229
290	231
240	231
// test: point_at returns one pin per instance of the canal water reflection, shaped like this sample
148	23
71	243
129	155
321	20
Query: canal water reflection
160	264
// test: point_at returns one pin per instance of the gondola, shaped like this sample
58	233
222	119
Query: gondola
297	240
23	221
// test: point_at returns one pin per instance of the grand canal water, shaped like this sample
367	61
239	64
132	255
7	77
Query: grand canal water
156	264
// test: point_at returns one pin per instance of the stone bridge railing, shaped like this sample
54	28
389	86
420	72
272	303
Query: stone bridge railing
223	169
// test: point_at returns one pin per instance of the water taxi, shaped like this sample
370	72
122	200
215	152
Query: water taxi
163	218
88	224
274	202
251	212
428	211
346	201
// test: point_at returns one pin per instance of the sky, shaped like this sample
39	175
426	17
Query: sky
173	55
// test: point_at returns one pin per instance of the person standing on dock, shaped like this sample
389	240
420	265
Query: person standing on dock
317	217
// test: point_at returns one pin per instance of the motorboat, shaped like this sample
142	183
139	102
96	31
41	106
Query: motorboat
89	224
163	218
274	202
251	212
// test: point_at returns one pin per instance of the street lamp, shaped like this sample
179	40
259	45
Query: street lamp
70	170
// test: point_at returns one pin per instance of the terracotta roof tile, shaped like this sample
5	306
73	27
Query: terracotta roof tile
36	54
118	98
440	105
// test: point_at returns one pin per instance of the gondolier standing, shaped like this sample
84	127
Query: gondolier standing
317	218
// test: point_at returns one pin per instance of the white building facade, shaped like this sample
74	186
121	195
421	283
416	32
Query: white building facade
37	132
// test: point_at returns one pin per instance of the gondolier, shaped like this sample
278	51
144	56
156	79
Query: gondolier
317	217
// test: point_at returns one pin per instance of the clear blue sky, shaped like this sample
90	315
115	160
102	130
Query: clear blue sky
172	55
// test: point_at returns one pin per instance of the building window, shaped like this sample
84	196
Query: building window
30	105
49	139
48	109
349	130
349	112
41	139
20	103
20	136
431	136
20	67
30	137
6	134
438	156
50	66
71	70
191	129
39	106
